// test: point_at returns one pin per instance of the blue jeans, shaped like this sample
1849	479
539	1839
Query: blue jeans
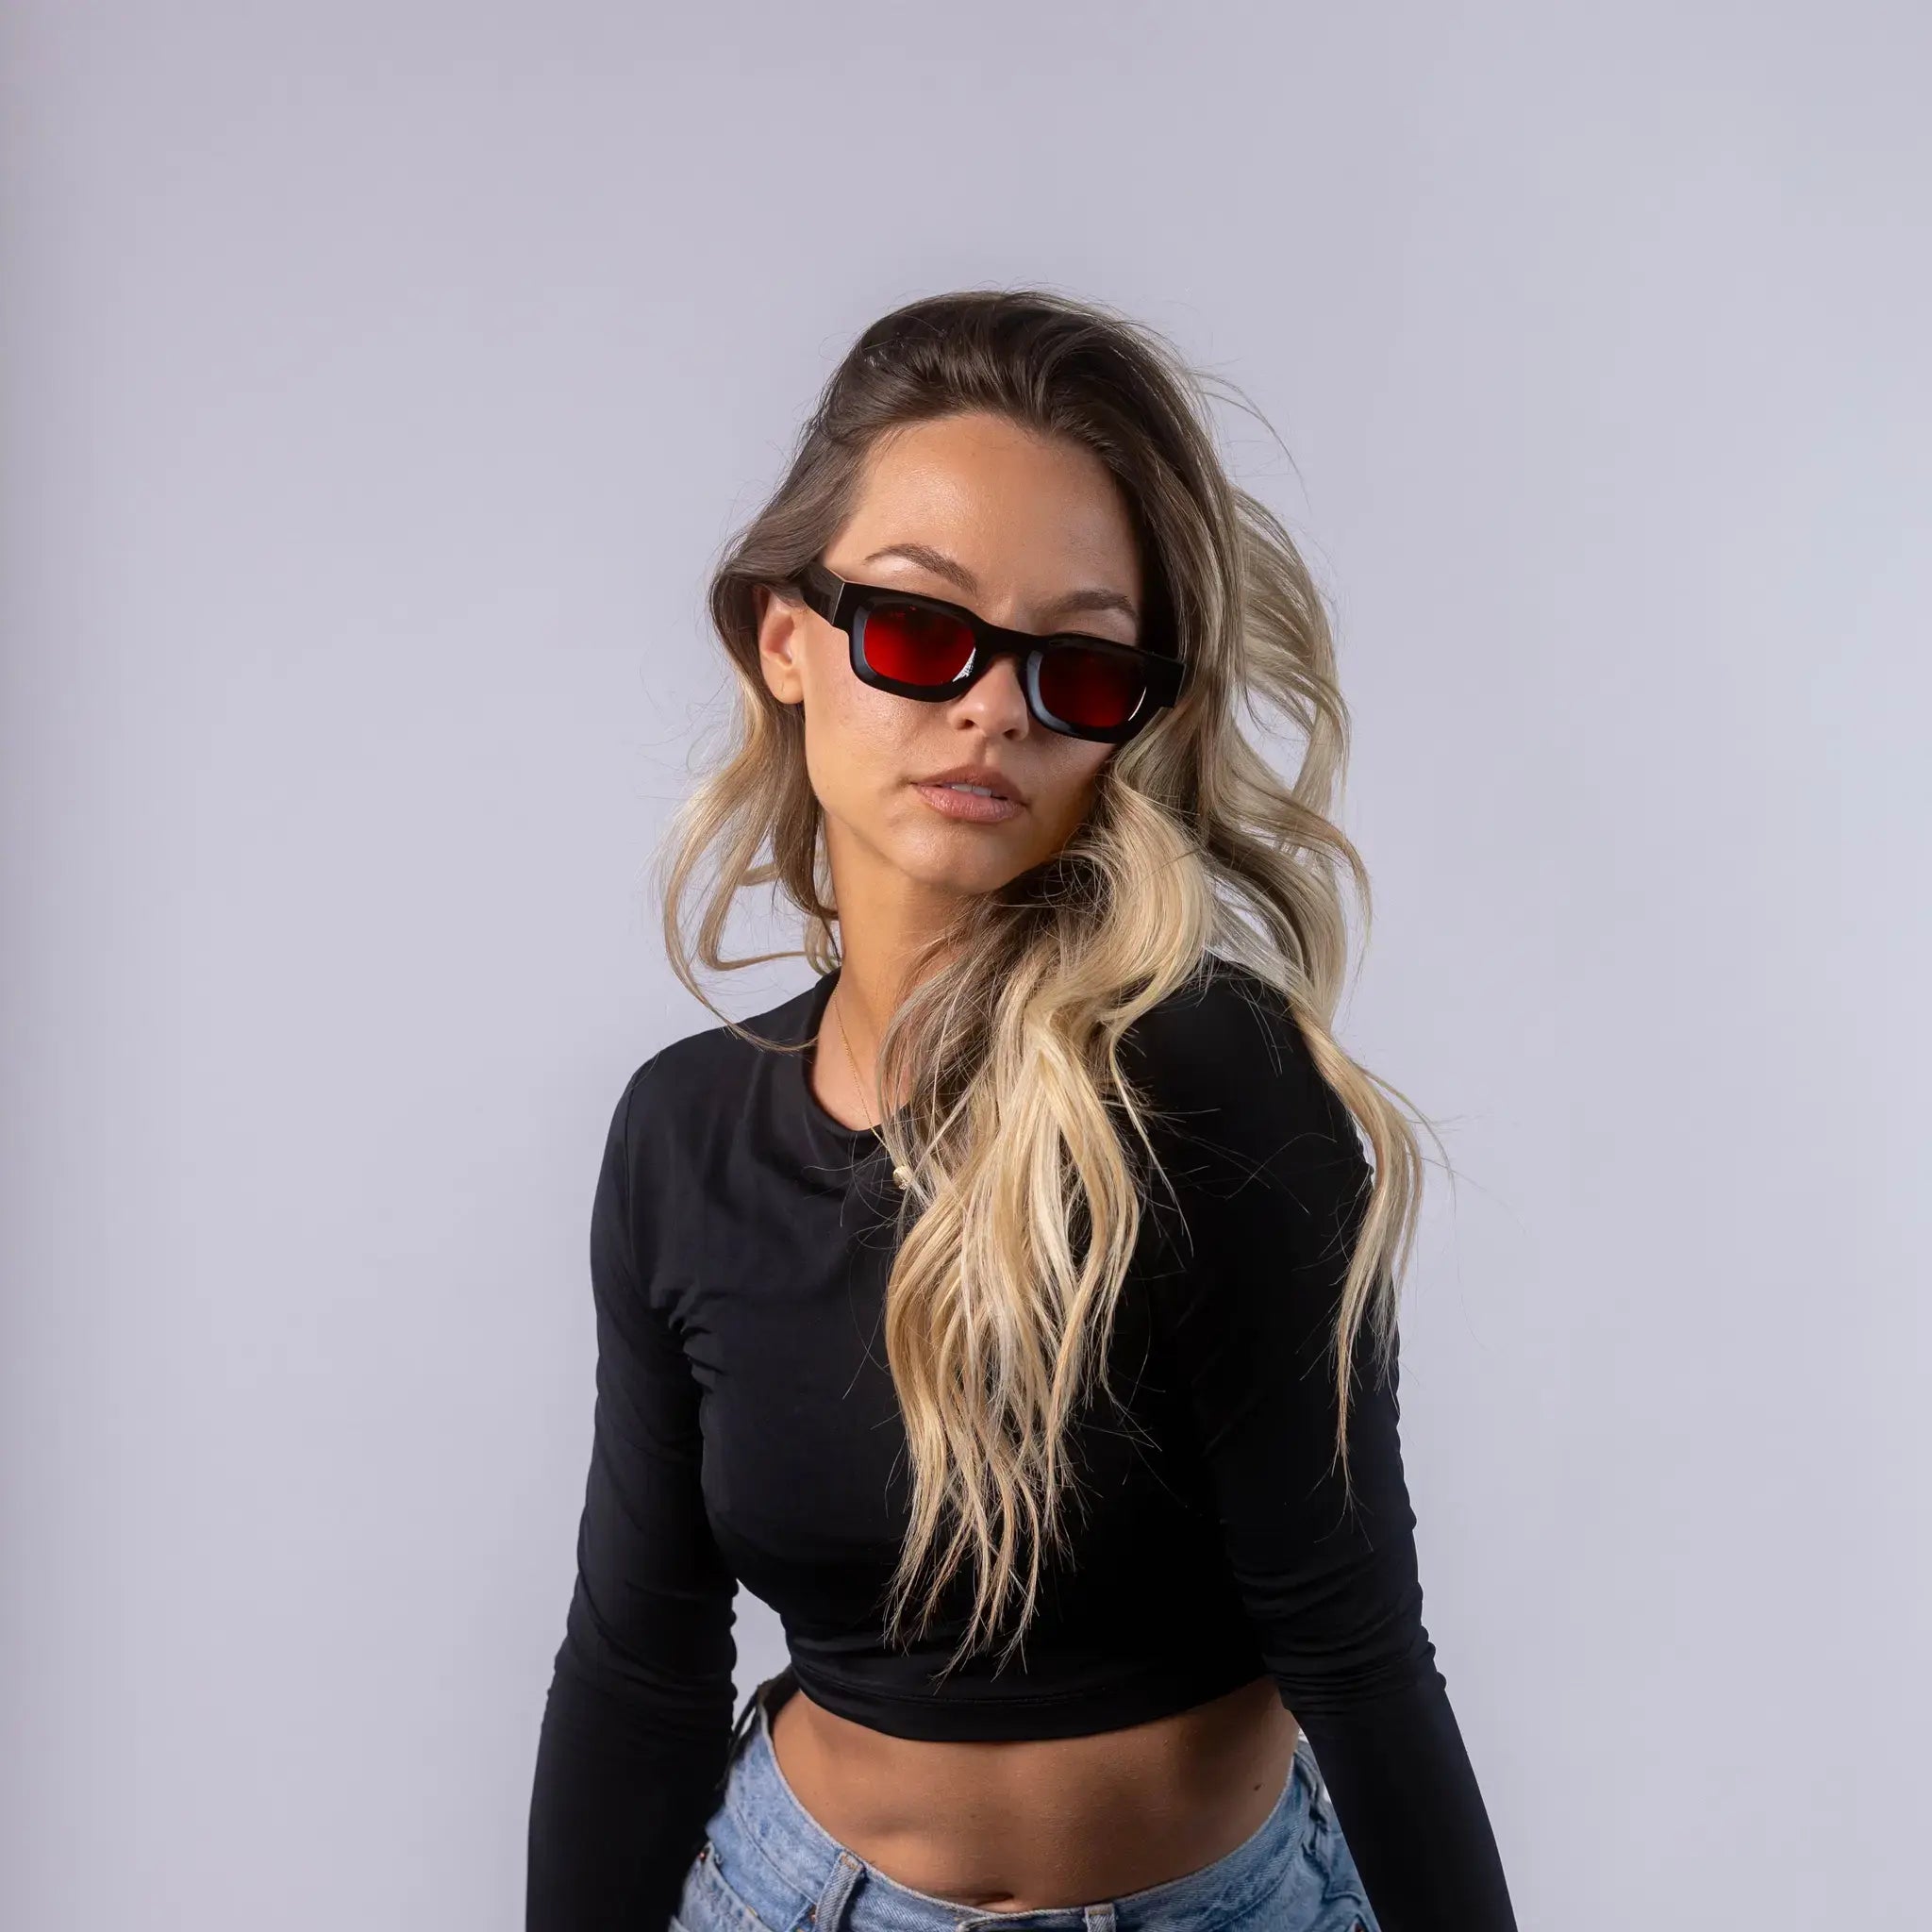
767	1865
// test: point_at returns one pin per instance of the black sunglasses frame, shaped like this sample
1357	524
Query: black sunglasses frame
846	605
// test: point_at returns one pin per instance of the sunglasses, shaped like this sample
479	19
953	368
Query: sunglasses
926	648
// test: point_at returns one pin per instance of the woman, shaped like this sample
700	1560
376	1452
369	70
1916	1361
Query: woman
1013	1309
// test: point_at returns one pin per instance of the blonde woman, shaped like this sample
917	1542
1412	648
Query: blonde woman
1013	1309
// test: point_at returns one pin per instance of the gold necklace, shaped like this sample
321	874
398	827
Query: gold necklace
899	1174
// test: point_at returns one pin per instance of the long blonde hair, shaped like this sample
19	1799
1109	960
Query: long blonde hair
996	1319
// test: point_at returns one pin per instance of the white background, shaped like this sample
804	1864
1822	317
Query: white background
380	382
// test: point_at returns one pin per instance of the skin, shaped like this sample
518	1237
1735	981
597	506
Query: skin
1024	1824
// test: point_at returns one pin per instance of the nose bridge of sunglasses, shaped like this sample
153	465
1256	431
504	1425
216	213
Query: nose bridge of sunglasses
987	657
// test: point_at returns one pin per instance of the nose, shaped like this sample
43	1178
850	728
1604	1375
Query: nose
996	698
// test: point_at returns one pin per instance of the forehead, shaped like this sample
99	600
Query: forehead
1004	499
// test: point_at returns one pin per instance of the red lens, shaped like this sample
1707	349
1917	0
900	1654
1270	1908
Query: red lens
1089	688
915	647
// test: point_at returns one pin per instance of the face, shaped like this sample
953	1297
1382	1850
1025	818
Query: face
983	514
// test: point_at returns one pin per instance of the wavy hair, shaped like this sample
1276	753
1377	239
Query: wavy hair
1022	1211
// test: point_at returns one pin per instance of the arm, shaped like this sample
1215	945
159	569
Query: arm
639	1714
1270	1178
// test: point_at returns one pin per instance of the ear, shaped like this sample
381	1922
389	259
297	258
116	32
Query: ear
784	624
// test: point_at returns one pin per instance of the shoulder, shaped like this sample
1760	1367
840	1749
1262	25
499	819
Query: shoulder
703	1079
1221	1062
672	1117
1221	1002
1225	1034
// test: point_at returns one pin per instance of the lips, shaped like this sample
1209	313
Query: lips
973	808
994	781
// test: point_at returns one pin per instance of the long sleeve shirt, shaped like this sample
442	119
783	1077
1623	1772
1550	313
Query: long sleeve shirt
747	1430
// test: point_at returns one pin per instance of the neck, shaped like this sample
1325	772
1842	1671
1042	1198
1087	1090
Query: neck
874	980
887	922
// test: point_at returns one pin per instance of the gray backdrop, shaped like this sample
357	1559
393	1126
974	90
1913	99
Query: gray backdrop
380	381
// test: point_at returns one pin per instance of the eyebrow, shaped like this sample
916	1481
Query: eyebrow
1073	603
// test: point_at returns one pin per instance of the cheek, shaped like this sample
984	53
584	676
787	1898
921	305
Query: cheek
851	731
1063	794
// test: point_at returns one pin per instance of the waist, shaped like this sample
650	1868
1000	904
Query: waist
1045	1821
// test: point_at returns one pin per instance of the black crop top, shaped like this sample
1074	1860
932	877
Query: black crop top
747	1429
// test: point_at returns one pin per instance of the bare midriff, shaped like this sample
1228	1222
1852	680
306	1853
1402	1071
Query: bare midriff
1025	1826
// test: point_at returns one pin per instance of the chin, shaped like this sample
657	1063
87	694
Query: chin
951	872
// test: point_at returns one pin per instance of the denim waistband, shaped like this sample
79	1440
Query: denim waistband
773	1859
